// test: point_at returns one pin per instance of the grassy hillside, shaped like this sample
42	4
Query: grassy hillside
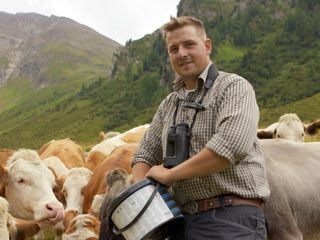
273	44
307	109
46	52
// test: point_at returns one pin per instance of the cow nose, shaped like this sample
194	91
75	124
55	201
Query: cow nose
54	212
53	207
49	207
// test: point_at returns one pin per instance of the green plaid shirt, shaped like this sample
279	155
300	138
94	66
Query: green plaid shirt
228	127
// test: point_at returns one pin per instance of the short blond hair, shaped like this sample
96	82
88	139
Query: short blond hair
179	22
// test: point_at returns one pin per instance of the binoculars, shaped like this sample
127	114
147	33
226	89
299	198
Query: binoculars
178	141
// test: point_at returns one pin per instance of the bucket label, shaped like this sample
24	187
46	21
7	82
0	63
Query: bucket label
156	214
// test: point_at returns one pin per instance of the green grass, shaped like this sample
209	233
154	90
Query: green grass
227	52
307	109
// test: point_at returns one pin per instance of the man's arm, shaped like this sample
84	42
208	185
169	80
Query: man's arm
139	171
204	163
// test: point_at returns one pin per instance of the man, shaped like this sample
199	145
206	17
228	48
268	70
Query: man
222	184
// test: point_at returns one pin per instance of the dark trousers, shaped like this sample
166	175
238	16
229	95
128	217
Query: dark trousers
229	223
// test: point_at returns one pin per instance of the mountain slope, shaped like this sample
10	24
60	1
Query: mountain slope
274	44
40	52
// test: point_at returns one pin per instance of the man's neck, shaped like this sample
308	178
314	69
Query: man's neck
190	84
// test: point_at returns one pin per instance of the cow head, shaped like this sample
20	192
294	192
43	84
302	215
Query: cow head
82	227
29	189
74	187
290	127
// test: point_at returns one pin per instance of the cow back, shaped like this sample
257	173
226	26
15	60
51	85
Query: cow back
119	158
69	152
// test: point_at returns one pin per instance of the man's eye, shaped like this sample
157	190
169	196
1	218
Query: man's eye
173	50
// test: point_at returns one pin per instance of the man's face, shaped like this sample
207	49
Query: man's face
188	52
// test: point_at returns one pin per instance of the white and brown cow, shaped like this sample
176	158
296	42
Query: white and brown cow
292	210
82	227
133	135
100	151
112	140
289	127
13	228
69	152
74	188
96	187
57	165
28	189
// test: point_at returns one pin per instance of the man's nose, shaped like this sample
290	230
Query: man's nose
182	52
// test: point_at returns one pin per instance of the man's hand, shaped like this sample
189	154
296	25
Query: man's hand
162	175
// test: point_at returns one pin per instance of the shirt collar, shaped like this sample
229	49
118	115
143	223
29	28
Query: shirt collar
178	83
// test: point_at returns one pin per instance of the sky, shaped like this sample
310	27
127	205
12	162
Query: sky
119	20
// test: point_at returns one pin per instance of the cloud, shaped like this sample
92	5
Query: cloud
120	20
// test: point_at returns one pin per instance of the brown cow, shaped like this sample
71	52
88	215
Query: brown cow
60	156
69	152
94	159
119	158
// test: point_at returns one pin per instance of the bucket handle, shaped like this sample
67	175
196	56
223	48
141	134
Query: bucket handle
136	218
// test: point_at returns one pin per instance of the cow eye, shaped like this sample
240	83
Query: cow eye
64	191
278	135
20	180
302	134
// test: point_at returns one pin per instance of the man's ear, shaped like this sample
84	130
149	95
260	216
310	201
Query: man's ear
208	45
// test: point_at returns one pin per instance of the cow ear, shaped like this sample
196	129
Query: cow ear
68	222
262	134
53	172
312	128
274	134
4	176
102	135
58	189
58	185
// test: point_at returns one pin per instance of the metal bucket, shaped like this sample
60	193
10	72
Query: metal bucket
144	211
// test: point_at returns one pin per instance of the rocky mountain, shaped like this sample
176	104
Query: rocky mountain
43	49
